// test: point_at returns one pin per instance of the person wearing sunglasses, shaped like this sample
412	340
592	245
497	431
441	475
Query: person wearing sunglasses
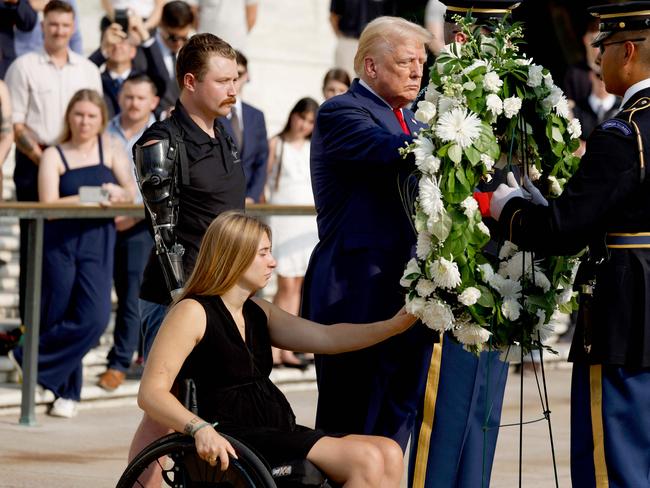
172	34
605	206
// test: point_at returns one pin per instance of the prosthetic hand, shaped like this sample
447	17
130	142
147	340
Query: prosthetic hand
503	194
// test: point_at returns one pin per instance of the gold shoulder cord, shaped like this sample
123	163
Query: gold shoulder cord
640	104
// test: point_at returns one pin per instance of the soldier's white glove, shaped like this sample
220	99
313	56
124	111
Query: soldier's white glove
503	194
533	194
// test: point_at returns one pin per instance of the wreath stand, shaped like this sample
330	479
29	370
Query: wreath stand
541	389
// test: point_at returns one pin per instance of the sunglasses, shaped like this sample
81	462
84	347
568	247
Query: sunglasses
603	45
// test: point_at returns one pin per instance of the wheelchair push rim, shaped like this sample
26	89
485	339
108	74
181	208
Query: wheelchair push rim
184	469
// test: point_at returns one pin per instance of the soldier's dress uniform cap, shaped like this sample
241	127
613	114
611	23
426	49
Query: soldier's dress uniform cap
620	17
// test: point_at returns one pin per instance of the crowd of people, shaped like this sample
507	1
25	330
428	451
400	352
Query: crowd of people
163	94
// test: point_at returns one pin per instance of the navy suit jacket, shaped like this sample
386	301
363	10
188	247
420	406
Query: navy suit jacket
365	234
254	152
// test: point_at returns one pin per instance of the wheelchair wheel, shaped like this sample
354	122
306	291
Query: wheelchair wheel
183	468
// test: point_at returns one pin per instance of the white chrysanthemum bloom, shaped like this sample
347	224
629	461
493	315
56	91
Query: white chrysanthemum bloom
487	161
562	108
511	309
425	287
574	128
494	104
483	228
429	165
415	306
423	148
492	82
486	270
533	173
542	281
552	99
477	63
535	75
412	267
507	250
512	354
445	273
556	188
437	316
460	126
511	106
507	288
425	112
513	268
430	197
469	206
469	296
471	334
424	244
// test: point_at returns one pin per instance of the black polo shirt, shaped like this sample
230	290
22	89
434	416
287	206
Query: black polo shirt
216	184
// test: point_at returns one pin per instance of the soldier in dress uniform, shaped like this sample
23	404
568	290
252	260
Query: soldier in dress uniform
605	205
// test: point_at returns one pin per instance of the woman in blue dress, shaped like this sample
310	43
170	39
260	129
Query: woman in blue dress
219	334
77	253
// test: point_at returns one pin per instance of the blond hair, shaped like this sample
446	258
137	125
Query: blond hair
84	95
227	250
386	32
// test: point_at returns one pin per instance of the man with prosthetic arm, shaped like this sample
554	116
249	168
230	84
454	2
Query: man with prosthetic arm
606	207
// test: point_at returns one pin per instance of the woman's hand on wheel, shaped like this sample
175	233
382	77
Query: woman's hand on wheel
212	447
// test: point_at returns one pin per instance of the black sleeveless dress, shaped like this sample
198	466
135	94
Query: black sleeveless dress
233	385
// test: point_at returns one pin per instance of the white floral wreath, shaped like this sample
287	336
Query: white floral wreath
487	106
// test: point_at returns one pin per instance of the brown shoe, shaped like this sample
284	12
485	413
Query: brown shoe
110	379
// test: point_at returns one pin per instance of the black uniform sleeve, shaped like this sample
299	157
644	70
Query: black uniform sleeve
608	173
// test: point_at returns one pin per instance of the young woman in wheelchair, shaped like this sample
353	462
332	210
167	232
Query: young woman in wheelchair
219	335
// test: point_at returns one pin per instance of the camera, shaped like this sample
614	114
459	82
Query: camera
122	18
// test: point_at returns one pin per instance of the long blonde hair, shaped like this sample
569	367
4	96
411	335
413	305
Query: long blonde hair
84	95
227	250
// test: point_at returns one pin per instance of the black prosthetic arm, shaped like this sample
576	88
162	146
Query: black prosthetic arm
158	181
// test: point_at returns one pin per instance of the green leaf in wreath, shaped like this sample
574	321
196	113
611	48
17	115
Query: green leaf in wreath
455	153
460	176
486	299
473	155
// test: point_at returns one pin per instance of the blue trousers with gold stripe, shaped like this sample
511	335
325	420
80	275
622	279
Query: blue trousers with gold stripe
610	427
449	447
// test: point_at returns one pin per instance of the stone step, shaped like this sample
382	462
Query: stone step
10	270
8	300
9	242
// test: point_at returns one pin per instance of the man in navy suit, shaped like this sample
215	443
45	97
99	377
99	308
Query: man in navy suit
366	236
247	127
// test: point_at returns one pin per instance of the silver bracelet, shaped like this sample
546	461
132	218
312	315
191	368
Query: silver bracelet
197	427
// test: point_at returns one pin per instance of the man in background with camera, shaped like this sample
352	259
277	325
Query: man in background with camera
41	84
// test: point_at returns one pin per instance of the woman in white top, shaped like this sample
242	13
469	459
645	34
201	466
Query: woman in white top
289	183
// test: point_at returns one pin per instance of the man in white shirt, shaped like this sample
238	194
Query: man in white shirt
41	84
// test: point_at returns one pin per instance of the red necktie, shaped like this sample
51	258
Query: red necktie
402	122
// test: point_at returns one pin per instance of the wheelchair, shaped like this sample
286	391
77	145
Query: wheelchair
181	467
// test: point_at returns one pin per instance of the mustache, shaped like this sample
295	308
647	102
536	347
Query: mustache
228	101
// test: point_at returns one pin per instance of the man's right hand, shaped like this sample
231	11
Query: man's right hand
503	194
114	34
